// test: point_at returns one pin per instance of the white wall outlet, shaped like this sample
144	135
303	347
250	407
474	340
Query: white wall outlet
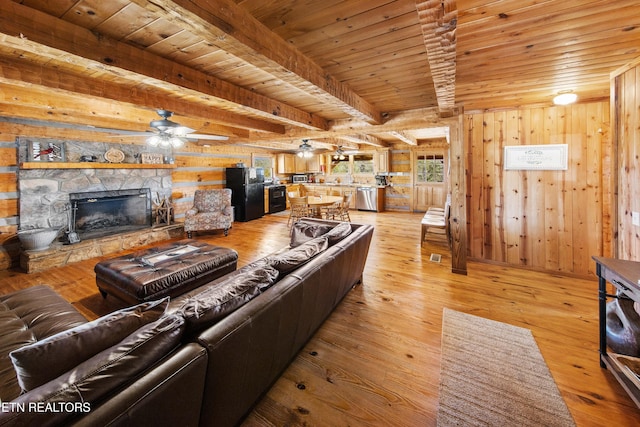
635	218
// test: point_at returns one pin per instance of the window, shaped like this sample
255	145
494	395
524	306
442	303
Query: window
430	168
340	166
266	163
363	163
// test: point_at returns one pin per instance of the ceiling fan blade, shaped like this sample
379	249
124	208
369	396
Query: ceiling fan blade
128	133
204	136
179	130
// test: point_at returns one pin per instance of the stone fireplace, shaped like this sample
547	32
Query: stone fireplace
102	213
52	196
108	205
46	201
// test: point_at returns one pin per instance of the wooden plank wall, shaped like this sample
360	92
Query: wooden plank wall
398	196
196	167
626	110
545	220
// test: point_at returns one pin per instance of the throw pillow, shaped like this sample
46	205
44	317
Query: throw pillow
44	360
295	257
304	231
101	374
338	233
220	299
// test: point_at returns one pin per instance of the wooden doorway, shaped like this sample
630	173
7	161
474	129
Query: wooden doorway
430	177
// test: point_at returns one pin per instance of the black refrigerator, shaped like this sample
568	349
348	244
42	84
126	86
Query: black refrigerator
247	192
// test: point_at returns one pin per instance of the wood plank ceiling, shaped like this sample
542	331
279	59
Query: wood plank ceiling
354	73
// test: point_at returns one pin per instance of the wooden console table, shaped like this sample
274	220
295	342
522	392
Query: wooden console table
625	277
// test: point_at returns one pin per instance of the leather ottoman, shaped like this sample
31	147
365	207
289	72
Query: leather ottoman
167	270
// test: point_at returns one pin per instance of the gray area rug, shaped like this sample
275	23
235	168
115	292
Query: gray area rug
492	374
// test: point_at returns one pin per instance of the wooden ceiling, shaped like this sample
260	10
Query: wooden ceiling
356	73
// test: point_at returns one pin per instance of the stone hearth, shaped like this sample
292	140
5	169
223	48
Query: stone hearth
61	254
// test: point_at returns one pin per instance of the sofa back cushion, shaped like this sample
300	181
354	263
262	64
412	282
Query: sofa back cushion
306	229
288	261
303	231
338	233
44	360
222	297
86	383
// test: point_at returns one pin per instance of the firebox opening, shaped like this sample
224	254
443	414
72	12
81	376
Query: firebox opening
101	213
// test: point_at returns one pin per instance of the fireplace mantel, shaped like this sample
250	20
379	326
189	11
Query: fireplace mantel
92	165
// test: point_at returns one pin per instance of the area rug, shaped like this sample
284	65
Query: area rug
492	374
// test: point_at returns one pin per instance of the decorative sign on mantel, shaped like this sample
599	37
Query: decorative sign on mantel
536	157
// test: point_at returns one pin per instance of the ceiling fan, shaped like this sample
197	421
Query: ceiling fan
166	133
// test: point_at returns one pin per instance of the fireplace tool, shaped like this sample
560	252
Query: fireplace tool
72	236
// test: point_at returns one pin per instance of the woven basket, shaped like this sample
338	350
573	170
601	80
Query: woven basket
37	239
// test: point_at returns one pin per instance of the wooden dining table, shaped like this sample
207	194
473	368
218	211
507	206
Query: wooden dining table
317	202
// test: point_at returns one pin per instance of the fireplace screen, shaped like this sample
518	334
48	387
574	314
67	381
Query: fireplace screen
101	213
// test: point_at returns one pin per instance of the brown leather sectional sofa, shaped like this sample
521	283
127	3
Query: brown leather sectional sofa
204	358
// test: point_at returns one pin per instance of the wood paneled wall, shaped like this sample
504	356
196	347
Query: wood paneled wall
625	107
546	220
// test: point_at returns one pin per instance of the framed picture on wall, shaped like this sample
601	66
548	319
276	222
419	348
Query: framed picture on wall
151	158
536	157
42	151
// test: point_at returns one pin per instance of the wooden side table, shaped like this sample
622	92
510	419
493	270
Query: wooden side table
625	277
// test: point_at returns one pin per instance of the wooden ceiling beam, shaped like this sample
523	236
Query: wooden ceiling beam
233	29
438	21
86	93
363	139
397	121
71	46
404	137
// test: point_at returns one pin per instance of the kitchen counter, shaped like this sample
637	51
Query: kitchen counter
342	188
326	184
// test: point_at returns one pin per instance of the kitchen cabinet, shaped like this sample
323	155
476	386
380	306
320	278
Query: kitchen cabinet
381	161
286	163
300	164
313	164
291	163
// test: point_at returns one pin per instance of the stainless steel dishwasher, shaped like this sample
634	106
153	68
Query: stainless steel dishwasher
366	199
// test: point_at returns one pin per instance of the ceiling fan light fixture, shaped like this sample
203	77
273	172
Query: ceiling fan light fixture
565	98
165	140
305	149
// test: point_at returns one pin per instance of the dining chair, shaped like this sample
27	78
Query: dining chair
299	209
332	211
344	208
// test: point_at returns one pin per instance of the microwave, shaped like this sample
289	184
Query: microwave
296	179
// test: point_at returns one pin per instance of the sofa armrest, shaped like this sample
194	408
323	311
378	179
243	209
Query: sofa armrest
169	394
191	212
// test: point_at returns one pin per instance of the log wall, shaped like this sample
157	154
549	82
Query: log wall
546	220
196	167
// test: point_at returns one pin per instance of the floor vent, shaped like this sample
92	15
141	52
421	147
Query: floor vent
435	258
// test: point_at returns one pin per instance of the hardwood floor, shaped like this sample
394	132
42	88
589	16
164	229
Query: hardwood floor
376	360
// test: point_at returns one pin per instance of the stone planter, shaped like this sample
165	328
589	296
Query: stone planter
37	239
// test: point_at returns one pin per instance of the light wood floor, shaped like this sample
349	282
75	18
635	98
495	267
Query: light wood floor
376	360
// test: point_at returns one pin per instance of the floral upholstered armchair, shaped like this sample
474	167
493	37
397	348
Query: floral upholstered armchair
212	210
